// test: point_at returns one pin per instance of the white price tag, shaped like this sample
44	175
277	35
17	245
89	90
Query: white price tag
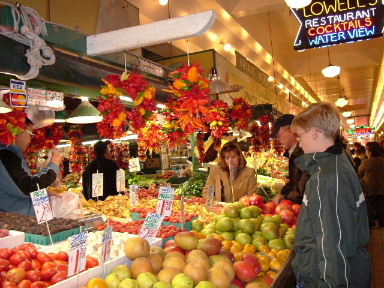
107	241
77	255
97	184
120	180
42	206
55	99
165	202
134	165
151	226
133	195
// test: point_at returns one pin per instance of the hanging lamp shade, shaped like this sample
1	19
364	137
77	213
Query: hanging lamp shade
297	4
347	114
217	86
341	102
331	71
61	116
85	113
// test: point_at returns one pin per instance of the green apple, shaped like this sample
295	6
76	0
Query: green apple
247	226
259	241
225	224
205	284
182	280
257	233
268	224
276	244
146	280
246	213
243	238
228	235
257	222
255	211
283	229
161	285
232	211
128	283
237	232
122	271
239	204
197	225
267	218
210	226
112	280
277	219
269	233
218	217
207	231
235	224
288	242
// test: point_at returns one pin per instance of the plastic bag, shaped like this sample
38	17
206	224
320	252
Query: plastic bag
65	206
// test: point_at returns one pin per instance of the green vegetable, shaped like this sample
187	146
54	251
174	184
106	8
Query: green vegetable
194	186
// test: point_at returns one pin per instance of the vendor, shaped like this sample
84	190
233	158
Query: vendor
231	178
17	181
101	164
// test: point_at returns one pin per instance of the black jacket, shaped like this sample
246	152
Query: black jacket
108	168
294	189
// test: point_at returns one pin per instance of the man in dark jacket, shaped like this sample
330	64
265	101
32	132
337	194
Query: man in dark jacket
294	189
101	164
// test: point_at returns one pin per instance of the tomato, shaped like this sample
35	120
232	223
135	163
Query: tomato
62	256
40	284
26	245
24	254
58	277
36	265
43	257
8	284
31	251
26	265
91	262
16	259
33	275
47	274
15	275
48	265
24	284
5	253
52	255
61	268
57	262
4	265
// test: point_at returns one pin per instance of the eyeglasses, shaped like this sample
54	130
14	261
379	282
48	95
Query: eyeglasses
298	138
29	132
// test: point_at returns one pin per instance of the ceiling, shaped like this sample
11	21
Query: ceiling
245	25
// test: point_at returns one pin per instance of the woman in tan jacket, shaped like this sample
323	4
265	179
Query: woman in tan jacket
231	178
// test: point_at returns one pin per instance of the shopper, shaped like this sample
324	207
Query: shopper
294	189
17	181
333	223
371	172
101	164
231	178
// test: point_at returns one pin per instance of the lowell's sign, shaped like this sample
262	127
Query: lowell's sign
329	22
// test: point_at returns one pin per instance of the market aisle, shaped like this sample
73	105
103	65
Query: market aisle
376	250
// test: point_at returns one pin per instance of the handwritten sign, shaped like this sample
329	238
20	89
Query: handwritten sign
165	202
151	226
107	241
120	180
55	99
133	195
77	255
42	206
97	184
134	165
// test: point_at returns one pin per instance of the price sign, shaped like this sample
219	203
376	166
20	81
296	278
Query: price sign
107	241
133	195
165	203
134	165
120	180
77	255
211	195
97	184
43	210
55	99
151	226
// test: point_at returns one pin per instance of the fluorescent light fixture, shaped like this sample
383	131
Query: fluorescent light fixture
161	106
163	2
271	78
85	113
347	114
350	121
331	71
126	98
341	102
297	4
227	47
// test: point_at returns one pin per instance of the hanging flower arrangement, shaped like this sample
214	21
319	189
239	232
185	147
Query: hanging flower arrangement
241	113
219	121
78	153
11	124
191	98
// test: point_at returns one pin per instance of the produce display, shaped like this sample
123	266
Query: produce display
194	186
28	224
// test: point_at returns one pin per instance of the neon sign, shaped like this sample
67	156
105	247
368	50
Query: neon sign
362	130
330	22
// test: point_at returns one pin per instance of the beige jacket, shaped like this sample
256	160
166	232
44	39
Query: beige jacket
244	184
371	171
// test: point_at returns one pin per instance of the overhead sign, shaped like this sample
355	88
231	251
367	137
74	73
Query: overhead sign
362	130
329	22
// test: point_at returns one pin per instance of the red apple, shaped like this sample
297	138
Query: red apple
253	261
296	209
283	206
244	200
286	202
237	282
256	200
269	208
211	246
245	271
288	216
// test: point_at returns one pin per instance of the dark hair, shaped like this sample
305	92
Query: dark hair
357	144
229	147
100	148
374	148
28	122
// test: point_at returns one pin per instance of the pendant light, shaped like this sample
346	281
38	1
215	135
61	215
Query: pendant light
347	114
85	113
61	116
350	121
4	108
217	85
297	4
331	70
342	101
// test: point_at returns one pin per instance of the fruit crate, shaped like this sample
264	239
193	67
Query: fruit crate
285	278
14	239
45	240
187	225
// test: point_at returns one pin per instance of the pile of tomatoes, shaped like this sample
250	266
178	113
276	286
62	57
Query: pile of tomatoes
176	217
26	267
150	193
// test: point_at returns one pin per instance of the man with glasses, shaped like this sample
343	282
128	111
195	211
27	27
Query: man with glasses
294	189
17	181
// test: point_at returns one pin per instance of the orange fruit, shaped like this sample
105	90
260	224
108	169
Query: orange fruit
97	283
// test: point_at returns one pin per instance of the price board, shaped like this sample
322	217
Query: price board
42	206
165	201
106	243
77	256
120	180
97	184
133	196
151	226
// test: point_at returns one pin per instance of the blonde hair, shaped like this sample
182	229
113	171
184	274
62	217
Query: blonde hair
321	115
229	147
